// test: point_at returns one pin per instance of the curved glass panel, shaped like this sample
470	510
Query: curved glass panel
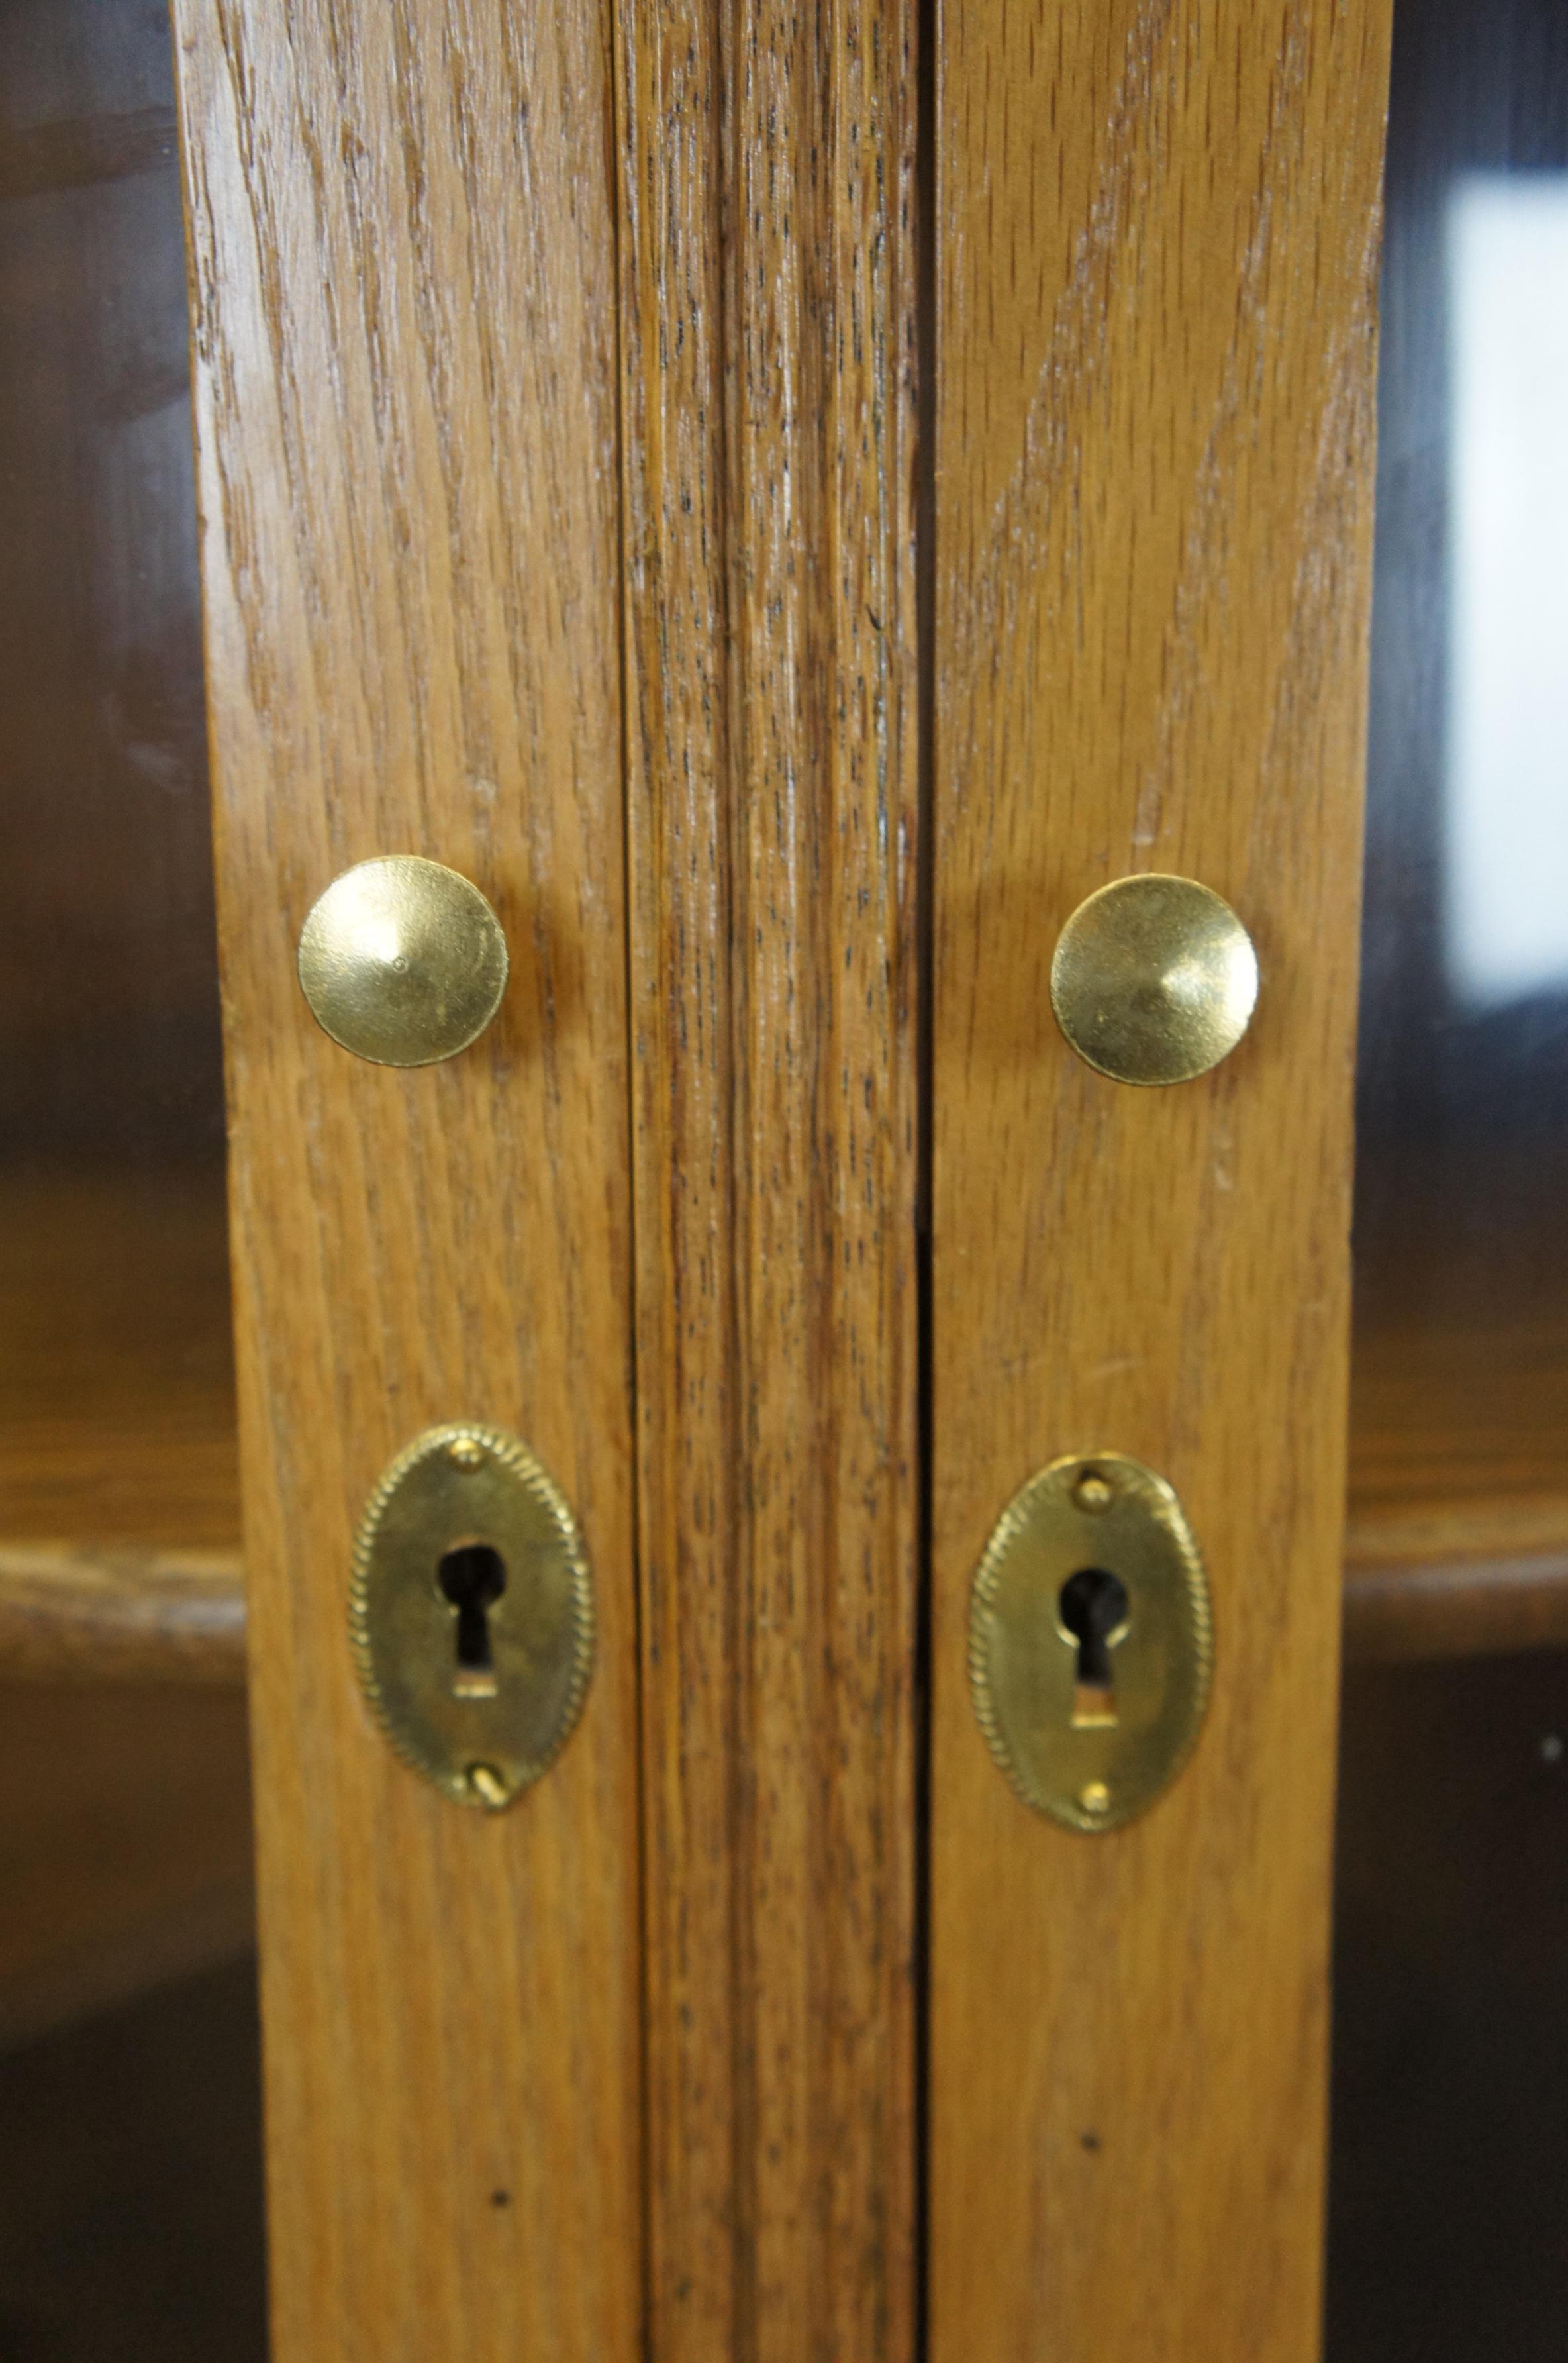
1462	1269
1451	2012
130	2200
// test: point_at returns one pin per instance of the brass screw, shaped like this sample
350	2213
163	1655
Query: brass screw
1092	1492
1093	1797
466	1452
486	1785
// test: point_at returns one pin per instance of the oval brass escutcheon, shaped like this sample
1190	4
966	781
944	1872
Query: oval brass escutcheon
1090	1640
472	1612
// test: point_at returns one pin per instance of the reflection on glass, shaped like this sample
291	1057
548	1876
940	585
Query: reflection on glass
1450	2109
1459	1397
1506	917
130	2196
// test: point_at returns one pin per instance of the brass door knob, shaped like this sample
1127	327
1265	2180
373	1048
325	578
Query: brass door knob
1154	979
403	961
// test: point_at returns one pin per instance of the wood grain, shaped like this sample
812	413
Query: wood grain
74	1612
90	1613
403	280
767	294
1157	225
1456	1577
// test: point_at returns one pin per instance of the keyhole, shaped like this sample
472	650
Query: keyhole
473	1577
1093	1610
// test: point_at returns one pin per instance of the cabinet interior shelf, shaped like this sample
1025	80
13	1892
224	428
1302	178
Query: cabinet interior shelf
119	1485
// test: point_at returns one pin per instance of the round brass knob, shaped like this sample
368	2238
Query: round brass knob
1154	979
403	961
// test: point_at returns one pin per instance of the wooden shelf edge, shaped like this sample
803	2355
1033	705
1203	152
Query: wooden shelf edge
72	1611
75	1611
1475	1575
1455	1608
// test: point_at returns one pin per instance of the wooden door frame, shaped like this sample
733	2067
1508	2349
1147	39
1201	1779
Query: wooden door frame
555	394
402	260
768	270
1158	247
410	356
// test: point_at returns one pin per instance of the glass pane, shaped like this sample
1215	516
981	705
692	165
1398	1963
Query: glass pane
1462	1278
1450	2149
1451	2024
116	1395
130	2149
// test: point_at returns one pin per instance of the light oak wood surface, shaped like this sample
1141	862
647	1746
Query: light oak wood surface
1157	243
767	301
404	299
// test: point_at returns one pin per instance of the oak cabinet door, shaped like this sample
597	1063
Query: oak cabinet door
565	521
793	507
555	381
1156	279
403	330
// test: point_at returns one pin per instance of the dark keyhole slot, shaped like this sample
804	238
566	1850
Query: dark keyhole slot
1093	1609
473	1577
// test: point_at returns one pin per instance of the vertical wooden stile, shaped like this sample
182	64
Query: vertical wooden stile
767	237
1156	247
401	224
